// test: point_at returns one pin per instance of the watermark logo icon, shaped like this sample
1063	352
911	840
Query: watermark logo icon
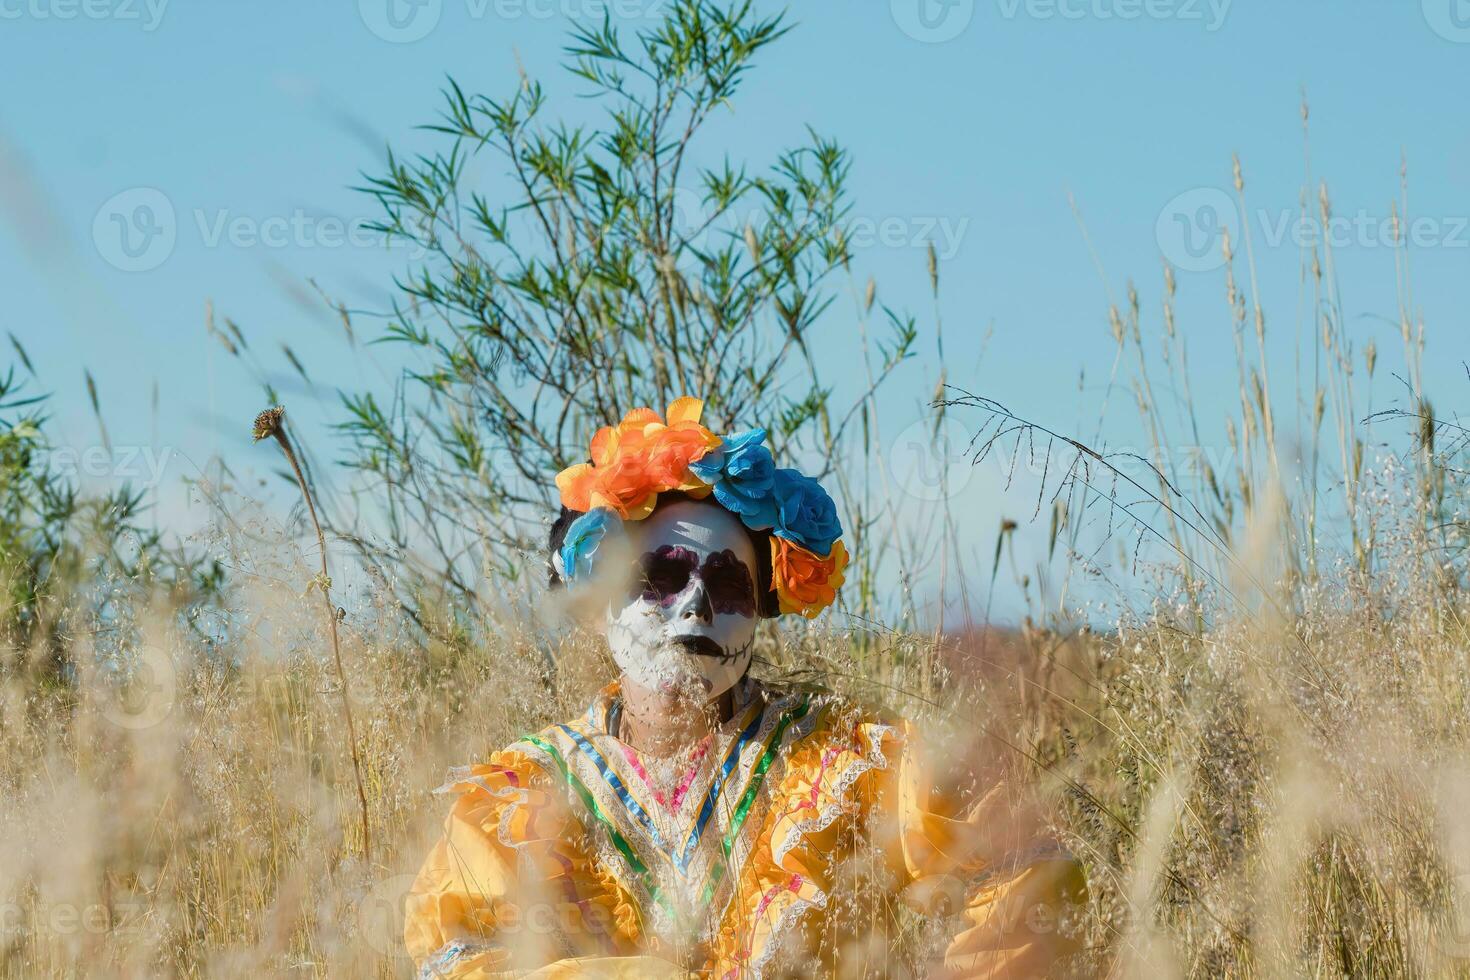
1450	19
380	915
932	21
932	462
140	693
401	21
135	230
1192	227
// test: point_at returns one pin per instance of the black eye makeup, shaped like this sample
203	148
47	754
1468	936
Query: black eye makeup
662	574
728	580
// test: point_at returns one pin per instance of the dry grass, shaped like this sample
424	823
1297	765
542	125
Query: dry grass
1268	797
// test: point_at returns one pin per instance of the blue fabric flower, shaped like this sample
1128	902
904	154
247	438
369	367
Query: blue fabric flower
743	474
805	514
579	546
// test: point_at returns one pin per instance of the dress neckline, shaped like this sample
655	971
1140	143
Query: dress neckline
604	714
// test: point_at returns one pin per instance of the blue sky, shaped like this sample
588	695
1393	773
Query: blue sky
973	124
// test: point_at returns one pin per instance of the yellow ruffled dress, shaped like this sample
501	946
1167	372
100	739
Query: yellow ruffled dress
560	859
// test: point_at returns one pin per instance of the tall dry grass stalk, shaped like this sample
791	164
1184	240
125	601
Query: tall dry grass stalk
271	424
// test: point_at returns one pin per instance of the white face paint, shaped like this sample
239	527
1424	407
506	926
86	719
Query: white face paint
686	626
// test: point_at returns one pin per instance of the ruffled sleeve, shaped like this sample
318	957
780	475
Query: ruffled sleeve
1016	893
509	890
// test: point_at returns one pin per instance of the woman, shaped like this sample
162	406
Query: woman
695	822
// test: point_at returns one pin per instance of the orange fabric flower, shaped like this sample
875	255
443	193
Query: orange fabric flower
624	487
639	458
672	450
806	583
575	484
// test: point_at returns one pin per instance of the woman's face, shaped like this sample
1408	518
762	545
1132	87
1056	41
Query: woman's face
686	624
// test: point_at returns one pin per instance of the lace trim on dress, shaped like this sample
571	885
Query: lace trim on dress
841	786
782	928
459	775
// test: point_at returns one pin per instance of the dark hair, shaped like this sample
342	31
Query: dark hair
767	604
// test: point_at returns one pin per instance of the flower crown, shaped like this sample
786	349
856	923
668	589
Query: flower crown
645	455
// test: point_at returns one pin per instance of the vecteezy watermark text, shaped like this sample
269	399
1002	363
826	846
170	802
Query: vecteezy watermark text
1193	227
137	230
945	233
138	465
56	919
937	21
147	13
1210	14
406	21
695	226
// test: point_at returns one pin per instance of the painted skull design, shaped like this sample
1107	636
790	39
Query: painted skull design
688	619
